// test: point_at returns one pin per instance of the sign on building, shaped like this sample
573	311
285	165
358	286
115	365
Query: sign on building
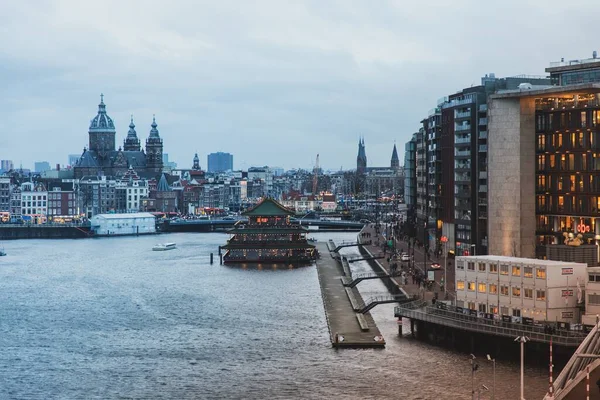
567	271
567	293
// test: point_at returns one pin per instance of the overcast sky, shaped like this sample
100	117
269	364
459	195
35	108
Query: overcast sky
272	82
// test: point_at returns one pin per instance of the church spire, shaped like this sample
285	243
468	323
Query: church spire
131	143
361	158
395	164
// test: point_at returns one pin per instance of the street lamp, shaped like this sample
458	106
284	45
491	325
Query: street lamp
474	367
522	340
493	360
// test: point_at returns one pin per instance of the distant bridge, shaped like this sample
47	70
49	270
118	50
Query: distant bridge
211	225
355	280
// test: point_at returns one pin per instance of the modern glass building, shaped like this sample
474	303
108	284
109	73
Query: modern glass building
220	162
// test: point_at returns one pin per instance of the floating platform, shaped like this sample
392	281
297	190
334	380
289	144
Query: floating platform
347	328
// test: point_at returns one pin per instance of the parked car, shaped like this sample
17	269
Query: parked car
435	266
405	257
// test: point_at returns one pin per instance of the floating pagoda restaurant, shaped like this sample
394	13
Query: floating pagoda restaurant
268	237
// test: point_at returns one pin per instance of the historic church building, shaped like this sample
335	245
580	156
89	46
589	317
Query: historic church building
101	157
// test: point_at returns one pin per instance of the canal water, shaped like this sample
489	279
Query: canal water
109	318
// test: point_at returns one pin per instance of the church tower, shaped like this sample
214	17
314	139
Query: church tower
102	132
361	159
196	166
131	143
395	164
154	150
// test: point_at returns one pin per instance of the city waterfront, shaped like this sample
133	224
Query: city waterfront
109	318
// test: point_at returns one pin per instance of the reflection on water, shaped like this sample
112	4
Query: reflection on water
110	318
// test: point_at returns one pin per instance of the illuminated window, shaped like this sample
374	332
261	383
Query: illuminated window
493	288
540	273
542	142
460	285
504	290
528	272
481	288
572	181
559	140
504	270
563	162
583	119
471	286
516	291
552	161
516	271
540	295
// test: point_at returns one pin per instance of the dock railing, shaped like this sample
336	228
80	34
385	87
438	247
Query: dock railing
497	327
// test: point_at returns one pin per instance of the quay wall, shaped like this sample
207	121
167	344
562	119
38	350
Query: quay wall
43	232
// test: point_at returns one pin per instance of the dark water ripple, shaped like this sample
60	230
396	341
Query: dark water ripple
110	319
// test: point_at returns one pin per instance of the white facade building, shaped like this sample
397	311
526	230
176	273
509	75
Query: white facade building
135	192
123	224
542	290
592	297
34	201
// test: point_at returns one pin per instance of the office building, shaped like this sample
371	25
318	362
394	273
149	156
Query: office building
41	166
540	290
220	162
6	165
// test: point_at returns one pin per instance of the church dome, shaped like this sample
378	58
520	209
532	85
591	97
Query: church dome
154	131
102	122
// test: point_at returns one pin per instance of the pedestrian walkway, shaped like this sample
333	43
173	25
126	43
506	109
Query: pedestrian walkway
413	280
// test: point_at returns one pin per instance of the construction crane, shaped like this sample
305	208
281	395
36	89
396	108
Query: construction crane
315	177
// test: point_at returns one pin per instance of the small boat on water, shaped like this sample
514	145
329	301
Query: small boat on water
164	246
2	253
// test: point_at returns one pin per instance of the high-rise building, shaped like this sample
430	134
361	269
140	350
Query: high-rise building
544	162
410	174
42	166
6	165
220	162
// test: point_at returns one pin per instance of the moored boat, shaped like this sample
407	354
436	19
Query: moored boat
164	246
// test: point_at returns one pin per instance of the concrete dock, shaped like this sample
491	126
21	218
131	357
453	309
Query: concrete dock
347	328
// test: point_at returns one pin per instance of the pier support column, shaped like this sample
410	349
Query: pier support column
400	327
412	328
472	339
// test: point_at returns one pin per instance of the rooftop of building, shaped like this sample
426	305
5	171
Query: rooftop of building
518	260
573	65
125	215
541	91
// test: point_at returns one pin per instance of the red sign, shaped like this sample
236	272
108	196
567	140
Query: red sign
567	271
567	293
583	228
443	239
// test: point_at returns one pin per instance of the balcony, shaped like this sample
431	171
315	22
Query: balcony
464	153
482	121
483	175
483	188
482	215
459	166
459	115
462	128
460	140
483	135
483	148
482	202
483	108
462	177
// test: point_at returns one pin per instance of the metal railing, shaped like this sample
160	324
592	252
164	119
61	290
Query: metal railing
472	323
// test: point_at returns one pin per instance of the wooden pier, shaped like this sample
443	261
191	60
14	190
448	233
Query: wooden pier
347	327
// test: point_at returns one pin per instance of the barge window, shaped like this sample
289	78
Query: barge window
594	299
540	295
516	291
528	293
528	272
471	266
504	290
504	270
471	286
516	271
493	268
540	273
493	288
460	285
481	288
481	267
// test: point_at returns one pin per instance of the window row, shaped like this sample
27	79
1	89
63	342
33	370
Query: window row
575	162
505	290
515	270
567	120
567	204
568	183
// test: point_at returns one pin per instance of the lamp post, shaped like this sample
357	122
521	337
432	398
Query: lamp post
522	340
493	360
474	367
444	240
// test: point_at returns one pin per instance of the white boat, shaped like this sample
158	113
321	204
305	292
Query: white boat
164	246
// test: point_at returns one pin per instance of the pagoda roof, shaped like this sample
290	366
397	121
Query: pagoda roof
268	208
296	229
267	245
